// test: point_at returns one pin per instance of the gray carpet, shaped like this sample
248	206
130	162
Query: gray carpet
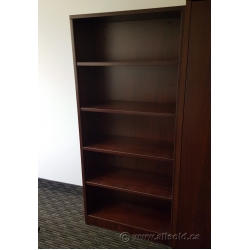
61	222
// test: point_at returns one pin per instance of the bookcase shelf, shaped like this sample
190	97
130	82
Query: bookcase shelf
138	182
134	216
143	148
130	63
138	108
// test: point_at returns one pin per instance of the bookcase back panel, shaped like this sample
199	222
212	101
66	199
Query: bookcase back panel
127	83
87	91
84	40
137	83
138	40
135	126
99	197
96	163
155	39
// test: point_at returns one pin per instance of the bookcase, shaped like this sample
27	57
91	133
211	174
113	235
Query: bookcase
130	105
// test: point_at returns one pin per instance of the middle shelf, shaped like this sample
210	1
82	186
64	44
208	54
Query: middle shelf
132	181
169	62
144	148
127	107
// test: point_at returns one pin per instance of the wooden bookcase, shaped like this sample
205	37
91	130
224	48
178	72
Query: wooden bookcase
130	106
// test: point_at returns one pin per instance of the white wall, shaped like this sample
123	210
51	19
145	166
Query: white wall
59	150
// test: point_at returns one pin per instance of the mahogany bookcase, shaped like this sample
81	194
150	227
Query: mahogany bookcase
136	111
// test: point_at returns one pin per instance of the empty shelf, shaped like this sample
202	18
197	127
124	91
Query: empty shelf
139	108
130	63
132	181
143	148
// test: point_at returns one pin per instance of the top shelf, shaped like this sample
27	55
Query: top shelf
131	63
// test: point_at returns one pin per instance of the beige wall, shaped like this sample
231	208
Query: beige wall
59	151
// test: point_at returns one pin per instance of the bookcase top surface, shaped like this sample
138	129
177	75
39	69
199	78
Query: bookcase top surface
131	15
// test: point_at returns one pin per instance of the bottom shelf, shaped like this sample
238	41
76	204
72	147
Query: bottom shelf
132	216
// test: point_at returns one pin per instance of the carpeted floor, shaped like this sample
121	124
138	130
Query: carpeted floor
61	222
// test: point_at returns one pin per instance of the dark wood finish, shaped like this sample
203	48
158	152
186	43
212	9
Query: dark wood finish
111	225
144	126
130	63
132	15
195	175
126	209
135	216
155	128
87	87
127	117
78	98
131	181
121	145
145	42
154	84
98	162
137	108
179	114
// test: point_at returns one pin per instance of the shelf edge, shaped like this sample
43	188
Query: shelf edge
90	183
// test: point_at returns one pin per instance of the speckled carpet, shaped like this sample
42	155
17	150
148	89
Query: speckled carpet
61	222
